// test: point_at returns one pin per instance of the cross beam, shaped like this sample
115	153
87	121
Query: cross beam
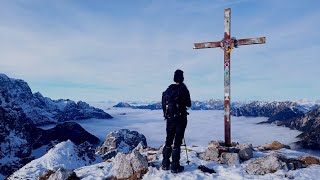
247	41
227	44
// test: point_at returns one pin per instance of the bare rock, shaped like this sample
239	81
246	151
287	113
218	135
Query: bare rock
217	151
271	163
152	157
215	144
230	159
211	154
123	141
140	147
60	173
245	151
132	165
267	164
275	145
309	160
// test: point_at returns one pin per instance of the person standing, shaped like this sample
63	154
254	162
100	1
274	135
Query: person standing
175	101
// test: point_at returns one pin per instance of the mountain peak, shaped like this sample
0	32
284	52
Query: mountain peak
43	110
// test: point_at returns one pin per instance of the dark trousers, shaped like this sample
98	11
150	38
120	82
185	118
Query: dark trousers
175	131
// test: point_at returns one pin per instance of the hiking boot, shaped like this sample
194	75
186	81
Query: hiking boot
165	167
176	167
166	152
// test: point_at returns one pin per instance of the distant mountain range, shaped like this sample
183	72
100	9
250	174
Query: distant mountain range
254	108
43	110
301	115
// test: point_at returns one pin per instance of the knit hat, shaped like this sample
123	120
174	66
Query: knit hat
178	76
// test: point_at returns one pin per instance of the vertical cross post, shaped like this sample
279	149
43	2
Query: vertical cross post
227	95
227	44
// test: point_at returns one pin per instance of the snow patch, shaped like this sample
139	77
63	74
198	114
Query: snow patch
97	171
63	155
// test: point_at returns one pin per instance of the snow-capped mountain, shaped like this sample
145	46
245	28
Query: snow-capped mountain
21	141
43	110
265	109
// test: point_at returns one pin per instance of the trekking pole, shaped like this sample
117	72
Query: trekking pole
185	145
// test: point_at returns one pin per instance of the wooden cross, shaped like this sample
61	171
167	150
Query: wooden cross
228	44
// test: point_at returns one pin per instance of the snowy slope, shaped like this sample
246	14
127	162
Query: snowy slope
65	154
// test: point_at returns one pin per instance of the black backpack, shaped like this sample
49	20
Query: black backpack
171	102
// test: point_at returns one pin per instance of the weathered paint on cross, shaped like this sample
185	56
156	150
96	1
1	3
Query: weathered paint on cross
228	44
227	94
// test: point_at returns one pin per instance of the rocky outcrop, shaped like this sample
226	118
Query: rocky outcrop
275	145
309	160
218	152
60	173
42	110
129	166
123	141
271	163
230	159
245	151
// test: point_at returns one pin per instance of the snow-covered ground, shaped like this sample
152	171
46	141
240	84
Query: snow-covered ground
203	126
64	155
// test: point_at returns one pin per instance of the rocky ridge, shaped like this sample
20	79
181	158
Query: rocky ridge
43	110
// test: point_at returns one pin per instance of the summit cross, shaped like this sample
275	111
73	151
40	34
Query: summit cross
227	44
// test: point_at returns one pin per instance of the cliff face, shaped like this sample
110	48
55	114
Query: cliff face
309	124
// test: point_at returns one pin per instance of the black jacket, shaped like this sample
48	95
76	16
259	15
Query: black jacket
185	100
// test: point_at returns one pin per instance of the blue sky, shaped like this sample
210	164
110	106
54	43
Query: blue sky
128	50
